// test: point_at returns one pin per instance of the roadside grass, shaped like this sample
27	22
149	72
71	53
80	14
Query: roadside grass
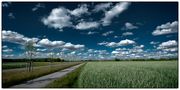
68	81
13	65
11	78
130	74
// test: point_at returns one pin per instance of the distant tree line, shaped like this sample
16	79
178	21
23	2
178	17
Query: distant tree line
35	60
151	59
62	60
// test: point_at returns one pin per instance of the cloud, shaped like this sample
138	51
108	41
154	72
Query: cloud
120	52
8	56
138	47
102	7
107	33
129	26
116	36
50	44
121	43
17	38
170	45
37	6
115	52
61	17
41	50
58	44
134	52
126	42
79	11
97	52
127	33
174	49
103	43
58	18
11	15
112	44
86	25
152	42
4	46
167	28
7	50
115	11
6	4
72	46
91	33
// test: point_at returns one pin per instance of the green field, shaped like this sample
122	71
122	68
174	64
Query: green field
105	74
129	74
11	65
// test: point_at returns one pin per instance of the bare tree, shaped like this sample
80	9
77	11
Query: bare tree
30	51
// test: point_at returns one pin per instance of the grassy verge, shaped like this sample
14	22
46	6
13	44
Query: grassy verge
68	81
15	77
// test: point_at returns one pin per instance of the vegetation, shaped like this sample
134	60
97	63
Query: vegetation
129	74
35	60
68	81
151	59
18	76
30	51
13	65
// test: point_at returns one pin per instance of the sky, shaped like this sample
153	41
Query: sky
90	30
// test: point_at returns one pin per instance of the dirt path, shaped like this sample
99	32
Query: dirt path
44	80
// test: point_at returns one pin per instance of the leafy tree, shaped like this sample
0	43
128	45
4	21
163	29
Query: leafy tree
30	51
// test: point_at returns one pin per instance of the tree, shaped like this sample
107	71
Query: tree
30	51
51	59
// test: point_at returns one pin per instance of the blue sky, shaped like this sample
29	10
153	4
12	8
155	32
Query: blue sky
90	30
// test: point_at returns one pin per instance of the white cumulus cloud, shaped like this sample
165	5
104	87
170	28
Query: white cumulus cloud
71	46
167	28
170	45
102	7
58	18
126	42
86	25
129	26
107	33
115	11
7	50
50	44
121	43
79	11
15	37
127	33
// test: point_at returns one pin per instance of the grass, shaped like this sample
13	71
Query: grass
68	81
15	77
12	65
129	74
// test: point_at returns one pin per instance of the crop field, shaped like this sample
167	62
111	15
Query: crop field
11	65
14	77
129	74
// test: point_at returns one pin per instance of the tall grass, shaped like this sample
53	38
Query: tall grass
15	77
130	74
68	81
